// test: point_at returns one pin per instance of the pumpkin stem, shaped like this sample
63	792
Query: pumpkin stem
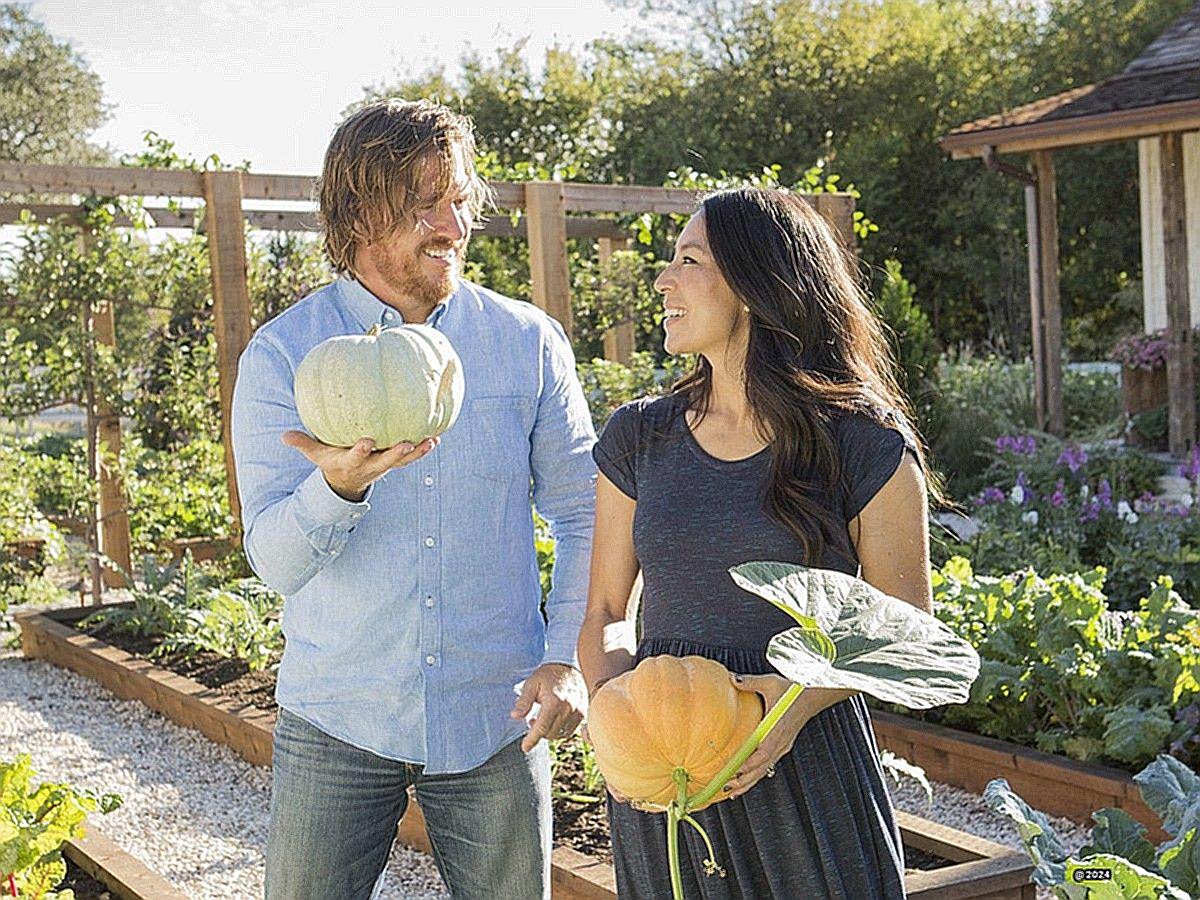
676	811
751	744
710	864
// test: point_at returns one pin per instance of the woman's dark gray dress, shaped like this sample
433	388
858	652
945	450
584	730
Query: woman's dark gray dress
823	826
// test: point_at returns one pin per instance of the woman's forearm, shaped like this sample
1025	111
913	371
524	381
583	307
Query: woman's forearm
607	646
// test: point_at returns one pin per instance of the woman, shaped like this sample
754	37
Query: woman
788	442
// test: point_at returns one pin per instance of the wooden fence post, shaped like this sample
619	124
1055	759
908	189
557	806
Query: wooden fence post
114	514
548	269
225	227
1046	305
838	211
620	340
1180	376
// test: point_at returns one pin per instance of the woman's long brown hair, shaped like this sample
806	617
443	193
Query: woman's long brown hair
816	350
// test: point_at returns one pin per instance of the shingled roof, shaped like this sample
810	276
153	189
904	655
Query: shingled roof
1159	91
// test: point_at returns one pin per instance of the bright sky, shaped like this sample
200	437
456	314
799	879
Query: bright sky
265	80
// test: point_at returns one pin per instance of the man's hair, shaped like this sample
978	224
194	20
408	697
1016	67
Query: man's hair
370	183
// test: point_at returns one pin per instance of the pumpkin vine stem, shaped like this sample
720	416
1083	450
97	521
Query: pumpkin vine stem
676	811
710	865
770	720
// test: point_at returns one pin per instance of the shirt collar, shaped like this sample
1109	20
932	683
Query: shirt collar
369	310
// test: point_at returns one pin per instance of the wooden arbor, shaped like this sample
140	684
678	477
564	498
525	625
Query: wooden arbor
1155	100
546	224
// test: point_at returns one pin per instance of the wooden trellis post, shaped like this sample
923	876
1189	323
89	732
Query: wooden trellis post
110	521
225	227
1181	406
114	514
619	341
545	206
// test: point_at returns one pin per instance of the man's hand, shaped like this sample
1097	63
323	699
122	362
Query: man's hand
562	696
349	471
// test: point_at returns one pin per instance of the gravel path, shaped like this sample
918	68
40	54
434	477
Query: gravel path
196	812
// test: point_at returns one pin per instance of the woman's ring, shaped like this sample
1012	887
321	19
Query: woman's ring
771	770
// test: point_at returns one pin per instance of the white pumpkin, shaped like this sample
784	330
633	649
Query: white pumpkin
390	385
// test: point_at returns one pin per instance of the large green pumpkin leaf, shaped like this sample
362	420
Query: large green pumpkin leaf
881	646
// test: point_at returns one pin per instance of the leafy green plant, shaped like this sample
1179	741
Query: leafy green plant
1063	672
608	384
160	599
238	622
1118	862
34	824
584	756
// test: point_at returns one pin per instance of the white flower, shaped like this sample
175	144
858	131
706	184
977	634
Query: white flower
1030	518
1083	492
1126	513
1018	494
1186	500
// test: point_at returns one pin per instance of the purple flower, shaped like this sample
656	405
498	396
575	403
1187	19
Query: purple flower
1073	458
1016	444
1091	512
991	494
1191	469
1058	499
1104	494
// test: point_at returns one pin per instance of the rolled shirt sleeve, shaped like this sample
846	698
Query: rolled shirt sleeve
294	523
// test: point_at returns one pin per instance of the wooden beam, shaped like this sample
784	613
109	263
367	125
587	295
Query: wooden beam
1181	406
620	340
577	227
1045	303
629	198
548	265
114	515
102	180
231	302
1077	131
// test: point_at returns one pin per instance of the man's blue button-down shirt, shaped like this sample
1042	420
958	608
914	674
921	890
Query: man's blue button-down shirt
410	617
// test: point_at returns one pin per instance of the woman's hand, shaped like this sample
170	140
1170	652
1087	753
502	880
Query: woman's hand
778	742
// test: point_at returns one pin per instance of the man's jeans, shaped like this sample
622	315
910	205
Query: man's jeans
335	808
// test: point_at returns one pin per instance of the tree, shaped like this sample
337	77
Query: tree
50	101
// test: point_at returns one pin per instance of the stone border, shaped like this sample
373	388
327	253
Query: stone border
1053	784
125	875
981	869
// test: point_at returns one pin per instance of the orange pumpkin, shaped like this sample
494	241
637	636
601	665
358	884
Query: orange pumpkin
670	712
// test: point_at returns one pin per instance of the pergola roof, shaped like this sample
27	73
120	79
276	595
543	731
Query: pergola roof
1158	92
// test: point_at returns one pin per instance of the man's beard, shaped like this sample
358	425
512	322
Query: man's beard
412	281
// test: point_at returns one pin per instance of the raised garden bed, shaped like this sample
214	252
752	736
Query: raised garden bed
1061	787
953	864
95	864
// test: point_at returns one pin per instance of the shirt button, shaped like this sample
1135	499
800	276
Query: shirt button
428	542
429	602
429	479
389	315
431	659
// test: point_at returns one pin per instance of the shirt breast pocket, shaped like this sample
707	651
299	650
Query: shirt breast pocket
496	438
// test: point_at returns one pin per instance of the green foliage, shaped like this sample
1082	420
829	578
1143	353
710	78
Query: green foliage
1062	671
175	493
909	332
981	398
1128	864
34	824
50	100
619	290
583	755
240	621
189	608
22	574
608	384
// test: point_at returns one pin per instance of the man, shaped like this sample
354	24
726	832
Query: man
416	648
